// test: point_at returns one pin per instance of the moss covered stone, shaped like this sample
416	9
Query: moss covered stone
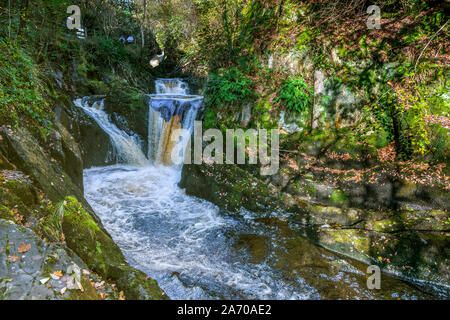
229	187
102	255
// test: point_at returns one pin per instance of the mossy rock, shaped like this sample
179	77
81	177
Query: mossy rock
129	111
6	213
83	236
229	187
102	255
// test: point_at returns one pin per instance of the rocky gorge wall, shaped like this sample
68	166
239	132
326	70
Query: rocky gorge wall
350	196
53	244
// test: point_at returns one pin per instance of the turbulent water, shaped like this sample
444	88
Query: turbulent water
196	251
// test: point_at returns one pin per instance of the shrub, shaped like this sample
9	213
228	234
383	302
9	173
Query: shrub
21	93
228	86
295	95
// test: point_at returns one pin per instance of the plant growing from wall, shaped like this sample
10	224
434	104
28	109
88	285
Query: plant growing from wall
295	95
228	86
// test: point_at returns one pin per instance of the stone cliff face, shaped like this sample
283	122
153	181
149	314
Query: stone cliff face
350	195
56	246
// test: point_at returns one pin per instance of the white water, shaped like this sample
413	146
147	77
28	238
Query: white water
171	86
181	241
169	110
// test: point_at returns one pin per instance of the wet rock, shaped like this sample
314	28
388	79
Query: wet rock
225	186
380	195
95	144
129	113
26	153
26	275
256	245
64	148
102	255
344	266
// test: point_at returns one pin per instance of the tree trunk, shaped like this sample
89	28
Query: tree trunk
143	24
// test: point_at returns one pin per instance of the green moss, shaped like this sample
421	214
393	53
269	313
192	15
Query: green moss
22	92
339	197
91	243
352	239
102	255
6	213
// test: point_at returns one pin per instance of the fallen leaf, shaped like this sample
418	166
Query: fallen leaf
58	273
44	281
24	247
13	258
63	290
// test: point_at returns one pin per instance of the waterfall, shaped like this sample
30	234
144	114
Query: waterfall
171	86
126	147
170	109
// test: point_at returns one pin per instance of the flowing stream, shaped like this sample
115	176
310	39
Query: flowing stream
193	249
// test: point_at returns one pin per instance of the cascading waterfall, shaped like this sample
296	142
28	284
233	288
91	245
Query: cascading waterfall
171	86
126	147
188	245
170	110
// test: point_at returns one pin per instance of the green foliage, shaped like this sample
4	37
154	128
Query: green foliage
21	93
123	94
295	95
419	102
338	197
304	38
210	119
228	86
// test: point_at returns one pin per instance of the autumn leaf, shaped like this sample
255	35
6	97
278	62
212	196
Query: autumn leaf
13	258
58	273
24	247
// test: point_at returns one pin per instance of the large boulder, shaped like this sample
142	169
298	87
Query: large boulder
229	187
22	149
31	269
129	112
